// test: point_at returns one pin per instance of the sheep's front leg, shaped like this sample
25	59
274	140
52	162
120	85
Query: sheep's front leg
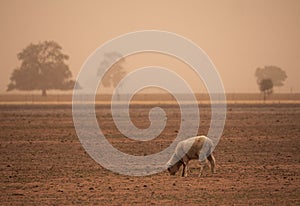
185	161
185	169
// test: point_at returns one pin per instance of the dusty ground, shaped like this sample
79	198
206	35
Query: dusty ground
43	163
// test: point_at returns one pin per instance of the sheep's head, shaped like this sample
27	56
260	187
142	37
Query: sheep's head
174	168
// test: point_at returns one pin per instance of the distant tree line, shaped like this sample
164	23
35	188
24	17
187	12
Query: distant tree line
43	67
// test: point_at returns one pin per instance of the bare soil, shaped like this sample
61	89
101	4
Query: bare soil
43	163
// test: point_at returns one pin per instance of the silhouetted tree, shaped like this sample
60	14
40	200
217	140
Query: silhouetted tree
42	68
269	77
266	87
276	74
115	73
113	76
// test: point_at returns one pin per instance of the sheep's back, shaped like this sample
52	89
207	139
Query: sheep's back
192	146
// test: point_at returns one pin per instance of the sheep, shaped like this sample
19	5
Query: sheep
198	147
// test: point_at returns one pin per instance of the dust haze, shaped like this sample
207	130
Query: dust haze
239	36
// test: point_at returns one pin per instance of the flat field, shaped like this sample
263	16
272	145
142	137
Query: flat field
43	163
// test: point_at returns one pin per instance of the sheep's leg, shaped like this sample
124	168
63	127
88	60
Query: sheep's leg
202	166
183	170
185	161
186	169
212	161
201	170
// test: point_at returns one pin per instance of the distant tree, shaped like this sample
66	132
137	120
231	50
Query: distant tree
42	68
276	74
266	87
269	77
117	71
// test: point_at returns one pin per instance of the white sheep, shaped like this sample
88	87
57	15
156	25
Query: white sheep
198	147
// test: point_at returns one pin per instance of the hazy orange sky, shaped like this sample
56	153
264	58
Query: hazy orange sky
238	35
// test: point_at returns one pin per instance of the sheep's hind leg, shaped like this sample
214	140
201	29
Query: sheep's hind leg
202	166
212	161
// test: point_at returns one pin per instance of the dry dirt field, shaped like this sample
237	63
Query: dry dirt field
43	163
